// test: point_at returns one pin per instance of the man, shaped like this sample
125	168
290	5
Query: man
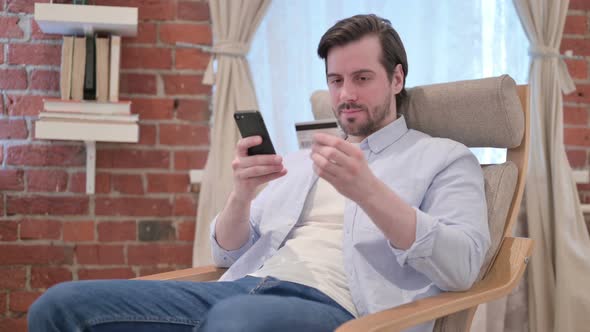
355	226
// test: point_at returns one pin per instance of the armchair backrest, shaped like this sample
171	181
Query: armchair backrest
490	112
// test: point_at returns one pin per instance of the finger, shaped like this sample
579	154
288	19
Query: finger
256	171
247	142
259	160
337	143
270	177
323	165
332	154
324	175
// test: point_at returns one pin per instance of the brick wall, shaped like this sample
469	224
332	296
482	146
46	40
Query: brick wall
577	104
142	218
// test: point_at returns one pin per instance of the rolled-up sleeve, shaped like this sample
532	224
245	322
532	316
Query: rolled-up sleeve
452	235
225	258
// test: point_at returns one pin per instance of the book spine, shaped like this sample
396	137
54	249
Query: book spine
115	60
89	72
67	57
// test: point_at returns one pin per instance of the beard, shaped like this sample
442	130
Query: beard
374	122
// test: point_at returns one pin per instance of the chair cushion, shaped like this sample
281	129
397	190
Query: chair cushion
478	113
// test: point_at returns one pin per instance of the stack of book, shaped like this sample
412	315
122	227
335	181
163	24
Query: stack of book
89	108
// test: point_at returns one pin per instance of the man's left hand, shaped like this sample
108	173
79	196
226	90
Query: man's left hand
343	165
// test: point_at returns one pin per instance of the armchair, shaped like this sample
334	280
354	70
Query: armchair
491	112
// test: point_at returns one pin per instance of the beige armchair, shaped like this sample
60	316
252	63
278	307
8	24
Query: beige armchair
491	112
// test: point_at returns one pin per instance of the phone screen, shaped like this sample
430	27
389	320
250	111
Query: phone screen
251	123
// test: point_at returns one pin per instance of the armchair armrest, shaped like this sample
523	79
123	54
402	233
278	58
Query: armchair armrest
504	275
203	273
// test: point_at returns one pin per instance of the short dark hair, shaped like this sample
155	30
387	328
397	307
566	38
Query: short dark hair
356	27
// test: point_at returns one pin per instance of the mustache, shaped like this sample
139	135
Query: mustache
350	105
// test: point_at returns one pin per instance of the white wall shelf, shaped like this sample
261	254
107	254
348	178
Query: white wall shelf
69	19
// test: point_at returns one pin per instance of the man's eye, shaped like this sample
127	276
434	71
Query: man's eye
335	81
364	78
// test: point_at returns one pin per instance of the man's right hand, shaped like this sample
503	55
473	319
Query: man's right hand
252	171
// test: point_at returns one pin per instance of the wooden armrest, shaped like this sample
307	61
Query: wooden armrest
504	275
203	273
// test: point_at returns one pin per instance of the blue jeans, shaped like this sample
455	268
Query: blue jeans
247	304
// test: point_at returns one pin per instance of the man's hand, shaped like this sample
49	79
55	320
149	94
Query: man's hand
343	165
252	171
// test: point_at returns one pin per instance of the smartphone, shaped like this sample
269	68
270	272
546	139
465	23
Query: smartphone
251	123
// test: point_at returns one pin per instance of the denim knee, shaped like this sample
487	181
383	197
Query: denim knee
236	314
50	311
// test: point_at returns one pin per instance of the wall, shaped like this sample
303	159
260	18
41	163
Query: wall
577	104
142	218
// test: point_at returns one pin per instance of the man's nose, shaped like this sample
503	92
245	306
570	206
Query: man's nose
348	92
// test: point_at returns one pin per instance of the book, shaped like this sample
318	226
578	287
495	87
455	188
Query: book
102	69
78	67
132	118
86	131
89	71
65	75
91	107
115	64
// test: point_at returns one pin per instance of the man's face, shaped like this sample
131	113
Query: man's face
363	99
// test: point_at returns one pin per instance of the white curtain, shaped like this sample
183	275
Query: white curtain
559	293
234	23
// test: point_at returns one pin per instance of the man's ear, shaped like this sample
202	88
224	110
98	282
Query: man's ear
397	82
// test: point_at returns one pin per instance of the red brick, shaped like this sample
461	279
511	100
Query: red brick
3	296
47	180
24	105
193	110
100	254
45	277
577	158
11	179
34	54
172	33
185	85
113	231
13	277
8	231
191	159
139	207
581	95
102	183
78	231
577	136
37	34
580	4
128	184
137	83
13	79
47	80
46	155
159	254
31	229
169	183
1	53
577	45
146	58
185	205
146	34
9	28
133	159
578	69
148	9
147	134
186	230
21	6
52	205
575	115
153	108
192	135
147	271
13	129
576	24
12	254
193	11
191	59
13	324
117	273
1	154
21	301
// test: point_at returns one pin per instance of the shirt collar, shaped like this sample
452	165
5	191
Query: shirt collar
385	136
